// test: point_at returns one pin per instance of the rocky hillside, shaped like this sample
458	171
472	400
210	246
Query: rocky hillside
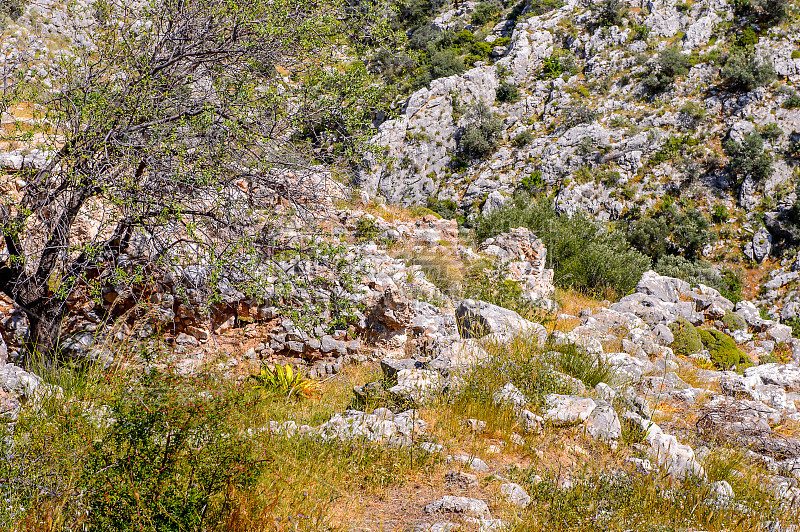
563	295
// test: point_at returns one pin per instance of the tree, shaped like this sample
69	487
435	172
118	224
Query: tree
748	158
744	71
190	134
481	132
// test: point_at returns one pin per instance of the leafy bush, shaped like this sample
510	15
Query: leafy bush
518	362
366	230
748	158
724	353
671	232
686	338
284	381
577	115
169	461
485	12
523	138
671	63
540	7
489	282
560	61
507	92
610	12
584	254
744	71
792	101
734	322
445	63
532	182
728	283
768	12
771	132
719	213
481	132
12	8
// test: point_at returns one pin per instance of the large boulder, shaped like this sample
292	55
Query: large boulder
477	319
562	410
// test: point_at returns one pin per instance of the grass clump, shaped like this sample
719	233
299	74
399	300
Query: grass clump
686	338
584	254
170	453
518	362
599	501
723	350
576	362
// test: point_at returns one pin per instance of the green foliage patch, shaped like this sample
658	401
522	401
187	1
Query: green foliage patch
723	350
686	338
584	254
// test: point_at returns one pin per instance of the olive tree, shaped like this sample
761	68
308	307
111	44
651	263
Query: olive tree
197	138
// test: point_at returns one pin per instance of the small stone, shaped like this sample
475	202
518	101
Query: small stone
515	494
465	506
475	425
460	479
474	463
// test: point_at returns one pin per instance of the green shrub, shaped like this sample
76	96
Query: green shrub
540	7
771	132
445	63
748	39
792	101
168	462
577	115
518	362
686	338
719	213
366	230
481	132
734	322
12	8
671	63
507	93
795	54
560	61
485	12
748	158
445	208
610	12
584	254
523	138
532	182
744	71
724	353
670	231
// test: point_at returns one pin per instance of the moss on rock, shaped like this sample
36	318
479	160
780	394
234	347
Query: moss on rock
723	350
687	339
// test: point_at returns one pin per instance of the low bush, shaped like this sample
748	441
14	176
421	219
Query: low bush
517	362
748	158
12	8
610	12
670	231
723	350
734	322
540	7
523	138
728	281
686	338
671	63
507	93
584	254
486	12
744	71
481	132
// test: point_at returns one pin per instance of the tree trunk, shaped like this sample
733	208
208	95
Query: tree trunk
44	328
